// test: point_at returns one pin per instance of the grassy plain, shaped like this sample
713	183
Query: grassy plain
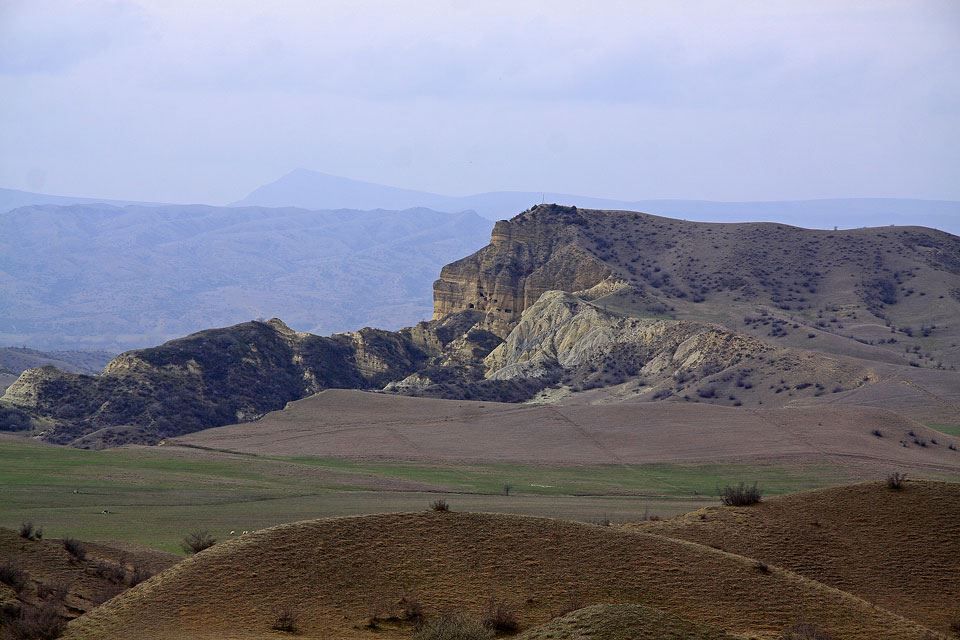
153	496
950	429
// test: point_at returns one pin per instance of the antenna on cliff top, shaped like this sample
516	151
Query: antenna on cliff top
543	198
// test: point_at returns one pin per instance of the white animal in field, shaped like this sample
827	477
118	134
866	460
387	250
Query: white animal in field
233	533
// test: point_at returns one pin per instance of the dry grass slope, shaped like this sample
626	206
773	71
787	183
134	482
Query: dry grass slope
622	622
899	550
105	571
337	573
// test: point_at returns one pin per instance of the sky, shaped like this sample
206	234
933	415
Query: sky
202	101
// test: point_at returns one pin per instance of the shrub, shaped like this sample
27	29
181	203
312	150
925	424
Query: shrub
29	532
35	623
286	620
13	576
440	505
805	631
75	548
877	433
499	617
740	495
55	591
895	481
197	540
507	488
109	571
452	627
762	567
138	575
412	608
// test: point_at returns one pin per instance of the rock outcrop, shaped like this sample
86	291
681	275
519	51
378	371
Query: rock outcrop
538	251
563	331
210	378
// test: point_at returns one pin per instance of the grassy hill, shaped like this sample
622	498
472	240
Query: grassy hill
897	549
344	576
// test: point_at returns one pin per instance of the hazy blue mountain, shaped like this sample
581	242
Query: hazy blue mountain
11	199
98	276
314	190
18	359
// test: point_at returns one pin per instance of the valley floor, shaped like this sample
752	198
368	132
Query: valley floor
154	495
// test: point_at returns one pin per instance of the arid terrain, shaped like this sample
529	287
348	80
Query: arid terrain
357	577
550	450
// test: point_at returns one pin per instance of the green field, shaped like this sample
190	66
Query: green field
950	429
153	496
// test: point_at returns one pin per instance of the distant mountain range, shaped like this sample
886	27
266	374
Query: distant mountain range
106	277
11	199
314	190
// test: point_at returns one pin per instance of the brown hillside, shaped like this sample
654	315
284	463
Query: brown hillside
105	571
357	424
622	622
772	280
899	550
337	573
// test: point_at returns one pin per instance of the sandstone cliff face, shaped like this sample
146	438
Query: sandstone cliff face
563	331
537	251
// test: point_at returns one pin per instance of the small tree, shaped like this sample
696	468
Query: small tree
29	532
440	505
197	540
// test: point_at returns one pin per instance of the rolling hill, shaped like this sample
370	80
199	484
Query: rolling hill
356	577
864	539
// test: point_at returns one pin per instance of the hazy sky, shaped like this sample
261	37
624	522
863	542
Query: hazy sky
203	101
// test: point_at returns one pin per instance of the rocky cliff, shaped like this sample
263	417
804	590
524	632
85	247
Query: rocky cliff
538	251
210	378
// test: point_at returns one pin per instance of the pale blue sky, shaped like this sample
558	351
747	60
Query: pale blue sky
203	101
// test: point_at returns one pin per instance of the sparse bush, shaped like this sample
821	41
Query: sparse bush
507	488
13	576
412	608
895	481
197	540
285	621
54	591
762	567
877	433
440	505
740	495
75	548
452	627
35	623
109	571
500	617
805	631
29	532
138	575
